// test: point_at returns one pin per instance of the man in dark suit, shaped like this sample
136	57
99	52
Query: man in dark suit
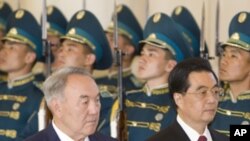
194	88
74	100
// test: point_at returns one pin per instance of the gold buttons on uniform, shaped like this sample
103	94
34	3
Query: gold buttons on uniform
159	116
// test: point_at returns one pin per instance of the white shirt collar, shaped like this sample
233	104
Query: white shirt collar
191	133
62	136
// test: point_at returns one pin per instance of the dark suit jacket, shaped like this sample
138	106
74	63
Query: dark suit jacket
49	134
175	133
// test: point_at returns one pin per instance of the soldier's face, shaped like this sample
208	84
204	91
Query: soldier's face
71	54
198	105
152	63
54	43
80	107
234	65
13	56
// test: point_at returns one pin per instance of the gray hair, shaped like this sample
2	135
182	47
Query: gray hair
53	86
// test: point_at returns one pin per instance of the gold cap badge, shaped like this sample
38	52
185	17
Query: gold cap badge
242	17
235	36
50	10
19	14
80	15
119	8
178	10
72	31
157	17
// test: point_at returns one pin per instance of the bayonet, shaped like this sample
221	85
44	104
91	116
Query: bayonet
217	28
202	35
84	4
46	46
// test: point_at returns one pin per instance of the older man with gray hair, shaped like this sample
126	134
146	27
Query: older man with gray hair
74	100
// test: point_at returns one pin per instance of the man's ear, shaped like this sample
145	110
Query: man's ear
170	65
178	99
30	57
90	59
129	49
56	107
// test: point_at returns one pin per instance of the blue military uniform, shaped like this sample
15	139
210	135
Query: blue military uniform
5	10
149	111
231	111
188	28
129	27
20	99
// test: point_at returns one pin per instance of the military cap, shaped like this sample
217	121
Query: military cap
128	25
5	11
23	28
239	31
56	21
85	28
161	31
188	27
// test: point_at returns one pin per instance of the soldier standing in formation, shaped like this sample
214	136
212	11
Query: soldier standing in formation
150	108
234	71
20	99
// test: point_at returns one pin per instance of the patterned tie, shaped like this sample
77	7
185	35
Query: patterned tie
202	138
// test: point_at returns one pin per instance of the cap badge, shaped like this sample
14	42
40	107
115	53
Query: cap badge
19	14
178	10
235	36
242	17
50	10
157	17
80	15
72	31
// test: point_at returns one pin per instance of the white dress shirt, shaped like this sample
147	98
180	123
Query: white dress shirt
191	133
62	136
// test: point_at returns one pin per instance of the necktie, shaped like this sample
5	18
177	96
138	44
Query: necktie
202	138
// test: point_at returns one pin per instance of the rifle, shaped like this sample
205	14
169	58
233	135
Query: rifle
202	35
217	25
121	115
203	53
46	115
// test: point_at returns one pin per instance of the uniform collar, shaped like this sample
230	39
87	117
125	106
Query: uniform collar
20	80
229	95
158	90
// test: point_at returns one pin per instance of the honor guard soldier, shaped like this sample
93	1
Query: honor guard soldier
150	108
20	100
189	28
129	35
234	70
56	27
84	45
5	10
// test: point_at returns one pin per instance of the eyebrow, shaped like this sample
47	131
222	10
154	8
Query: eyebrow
83	96
200	87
